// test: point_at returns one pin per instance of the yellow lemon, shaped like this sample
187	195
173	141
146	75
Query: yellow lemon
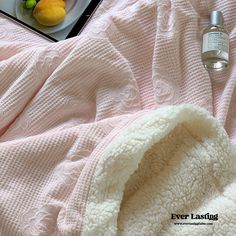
50	12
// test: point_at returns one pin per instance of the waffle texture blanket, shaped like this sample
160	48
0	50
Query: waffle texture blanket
169	172
70	161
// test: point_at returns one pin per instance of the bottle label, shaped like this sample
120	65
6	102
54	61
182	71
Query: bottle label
215	41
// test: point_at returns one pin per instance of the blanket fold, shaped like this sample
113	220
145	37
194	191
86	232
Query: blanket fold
153	168
173	161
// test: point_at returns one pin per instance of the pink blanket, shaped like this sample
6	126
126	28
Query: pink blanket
62	103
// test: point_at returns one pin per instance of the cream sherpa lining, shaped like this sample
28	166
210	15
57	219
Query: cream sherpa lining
176	160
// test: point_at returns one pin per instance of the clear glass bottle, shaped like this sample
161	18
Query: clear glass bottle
215	44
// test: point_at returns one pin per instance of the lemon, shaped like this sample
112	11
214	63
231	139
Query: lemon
50	12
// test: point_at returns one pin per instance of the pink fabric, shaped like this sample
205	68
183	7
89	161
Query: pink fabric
62	103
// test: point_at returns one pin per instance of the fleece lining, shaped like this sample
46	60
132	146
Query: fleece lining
175	161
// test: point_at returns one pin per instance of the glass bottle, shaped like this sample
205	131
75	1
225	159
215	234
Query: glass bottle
215	44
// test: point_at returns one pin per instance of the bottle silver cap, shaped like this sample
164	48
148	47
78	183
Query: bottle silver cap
217	18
